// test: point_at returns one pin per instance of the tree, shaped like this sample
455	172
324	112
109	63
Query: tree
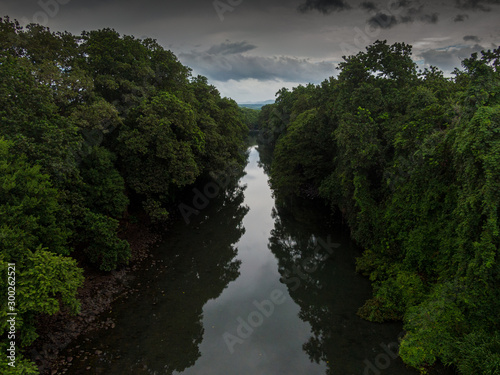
35	241
159	149
411	161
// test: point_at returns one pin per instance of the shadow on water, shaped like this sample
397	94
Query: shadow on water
317	265
329	292
160	327
214	279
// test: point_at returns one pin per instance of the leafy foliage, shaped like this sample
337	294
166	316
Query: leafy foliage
411	160
29	207
35	241
109	124
251	117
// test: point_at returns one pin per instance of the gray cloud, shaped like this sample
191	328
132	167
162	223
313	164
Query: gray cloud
323	6
451	57
429	18
230	48
369	5
401	4
239	67
476	5
383	21
278	29
409	11
461	17
472	38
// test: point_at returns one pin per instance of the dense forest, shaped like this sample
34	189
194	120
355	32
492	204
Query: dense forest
98	130
409	160
95	130
251	117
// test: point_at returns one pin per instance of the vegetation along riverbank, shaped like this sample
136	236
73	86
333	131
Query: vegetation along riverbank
411	161
98	132
103	135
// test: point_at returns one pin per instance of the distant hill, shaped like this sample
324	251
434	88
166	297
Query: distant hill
256	105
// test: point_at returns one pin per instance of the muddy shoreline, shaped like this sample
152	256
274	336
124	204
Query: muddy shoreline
96	295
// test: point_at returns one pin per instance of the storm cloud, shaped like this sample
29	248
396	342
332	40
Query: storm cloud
225	67
476	5
451	57
259	44
402	12
383	21
461	17
369	5
324	6
230	48
472	38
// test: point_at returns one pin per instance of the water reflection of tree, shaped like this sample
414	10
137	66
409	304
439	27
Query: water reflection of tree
329	296
160	330
204	268
292	244
265	157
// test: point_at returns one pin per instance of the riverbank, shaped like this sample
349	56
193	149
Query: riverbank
96	295
207	280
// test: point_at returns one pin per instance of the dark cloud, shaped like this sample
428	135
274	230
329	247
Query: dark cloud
430	18
402	12
369	5
476	5
230	48
383	21
415	10
239	67
323	6
472	38
141	10
193	31
461	17
401	3
449	58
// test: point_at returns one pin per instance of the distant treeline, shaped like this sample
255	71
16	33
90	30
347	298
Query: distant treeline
92	128
250	117
411	161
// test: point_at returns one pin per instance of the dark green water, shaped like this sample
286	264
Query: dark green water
244	289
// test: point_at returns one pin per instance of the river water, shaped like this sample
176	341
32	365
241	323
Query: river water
245	289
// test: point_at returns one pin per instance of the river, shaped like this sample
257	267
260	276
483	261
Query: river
245	289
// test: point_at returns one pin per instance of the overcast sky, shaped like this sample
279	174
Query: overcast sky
249	49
